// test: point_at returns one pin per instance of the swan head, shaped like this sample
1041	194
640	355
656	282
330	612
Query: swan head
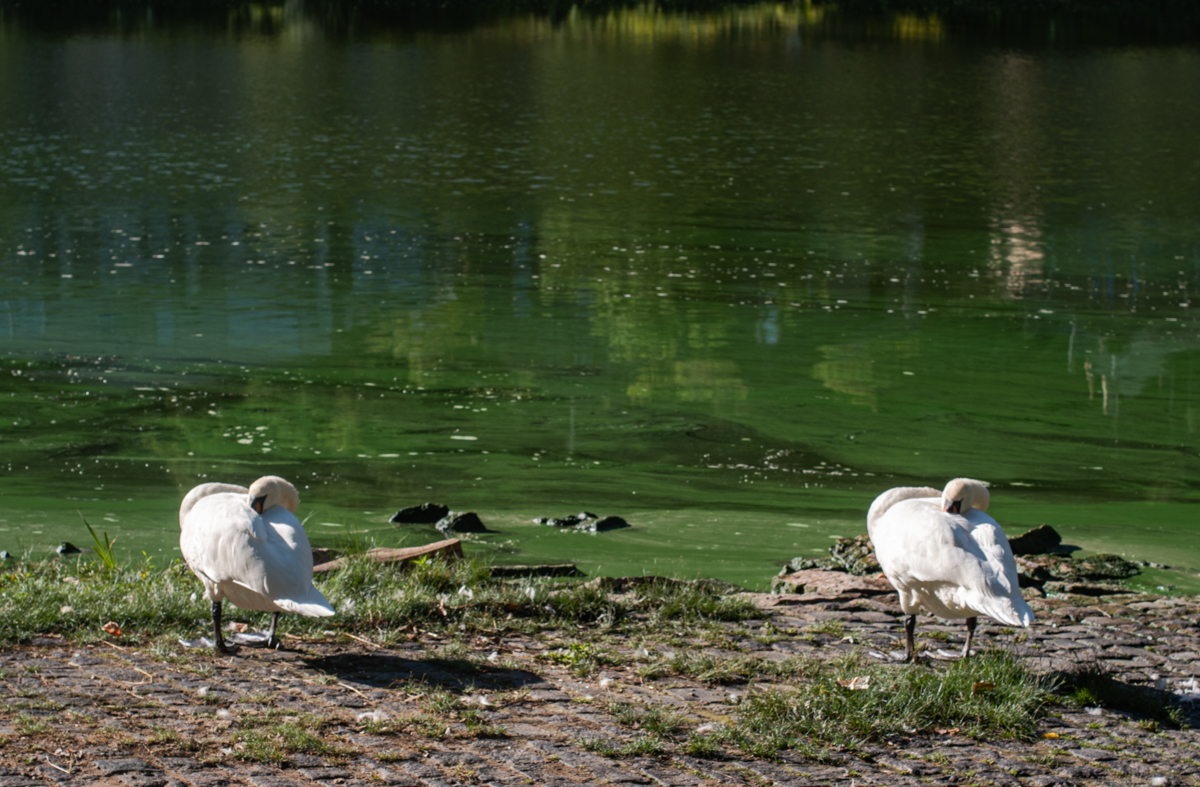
271	490
963	494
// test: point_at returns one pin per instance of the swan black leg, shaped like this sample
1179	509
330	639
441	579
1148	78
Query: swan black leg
218	640
910	627
272	640
971	623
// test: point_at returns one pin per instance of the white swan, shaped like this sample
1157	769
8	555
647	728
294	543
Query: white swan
247	546
943	554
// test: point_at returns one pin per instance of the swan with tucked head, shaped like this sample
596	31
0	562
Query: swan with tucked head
248	547
945	556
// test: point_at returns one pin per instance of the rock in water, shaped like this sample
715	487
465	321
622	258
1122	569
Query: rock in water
424	514
571	520
601	525
855	555
1097	575
584	521
461	522
1038	541
559	570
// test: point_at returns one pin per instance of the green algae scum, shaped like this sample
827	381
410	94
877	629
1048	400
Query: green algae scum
727	274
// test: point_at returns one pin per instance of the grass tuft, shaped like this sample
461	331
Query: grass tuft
991	694
272	737
103	548
373	600
652	719
721	670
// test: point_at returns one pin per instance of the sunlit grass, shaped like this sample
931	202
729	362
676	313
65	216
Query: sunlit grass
272	737
76	597
855	702
652	719
805	704
720	670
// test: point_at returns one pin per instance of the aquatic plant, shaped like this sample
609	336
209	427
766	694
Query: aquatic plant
103	549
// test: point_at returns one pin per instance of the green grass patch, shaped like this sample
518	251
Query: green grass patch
675	603
853	703
270	738
584	658
830	628
723	670
31	725
76	596
655	720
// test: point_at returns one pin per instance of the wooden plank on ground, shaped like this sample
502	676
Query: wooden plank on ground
450	549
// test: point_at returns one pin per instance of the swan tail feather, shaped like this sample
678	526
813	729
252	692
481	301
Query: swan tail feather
1002	609
313	605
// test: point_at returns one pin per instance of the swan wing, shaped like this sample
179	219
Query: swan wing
997	591
217	540
204	490
891	497
287	558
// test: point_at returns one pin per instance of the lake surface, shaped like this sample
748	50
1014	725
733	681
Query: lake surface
726	274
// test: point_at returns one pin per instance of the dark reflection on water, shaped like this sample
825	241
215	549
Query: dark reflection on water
1019	22
726	273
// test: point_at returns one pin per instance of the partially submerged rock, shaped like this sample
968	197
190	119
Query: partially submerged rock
852	555
856	555
1038	541
424	514
570	520
1079	569
585	521
461	522
557	570
602	525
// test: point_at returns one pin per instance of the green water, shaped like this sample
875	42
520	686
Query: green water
728	275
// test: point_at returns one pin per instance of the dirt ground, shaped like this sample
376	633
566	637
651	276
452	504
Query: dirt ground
504	713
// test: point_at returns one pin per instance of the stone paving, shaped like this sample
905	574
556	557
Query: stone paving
153	716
